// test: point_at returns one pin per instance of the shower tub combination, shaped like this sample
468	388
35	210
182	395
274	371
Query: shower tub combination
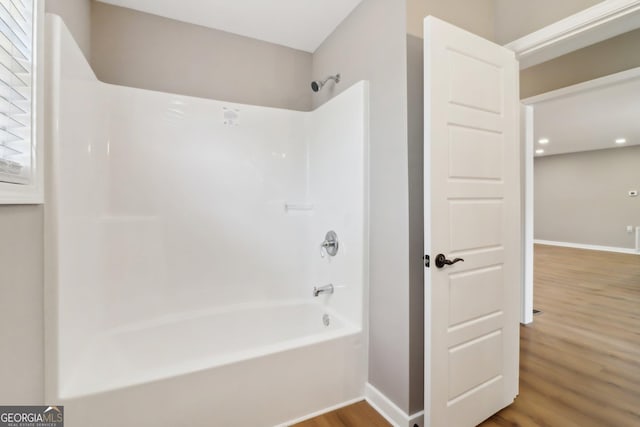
183	244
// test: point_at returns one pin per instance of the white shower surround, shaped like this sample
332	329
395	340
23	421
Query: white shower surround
175	277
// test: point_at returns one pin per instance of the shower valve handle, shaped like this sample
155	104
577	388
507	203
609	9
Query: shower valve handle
330	244
326	246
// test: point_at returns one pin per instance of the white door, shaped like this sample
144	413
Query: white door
472	212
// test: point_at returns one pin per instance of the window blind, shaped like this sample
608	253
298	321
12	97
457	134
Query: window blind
16	90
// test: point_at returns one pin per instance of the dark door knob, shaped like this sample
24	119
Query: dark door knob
442	260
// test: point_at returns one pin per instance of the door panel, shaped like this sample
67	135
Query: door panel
474	294
472	211
475	154
475	224
484	353
464	89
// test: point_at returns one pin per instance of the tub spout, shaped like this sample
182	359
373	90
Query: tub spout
327	289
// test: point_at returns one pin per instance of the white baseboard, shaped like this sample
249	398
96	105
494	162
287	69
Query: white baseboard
381	403
588	247
390	411
417	419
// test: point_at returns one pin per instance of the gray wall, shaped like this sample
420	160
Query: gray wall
477	16
582	197
370	45
77	15
132	48
415	121
517	18
21	306
610	56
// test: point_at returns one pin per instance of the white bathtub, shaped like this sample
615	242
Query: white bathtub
178	345
254	365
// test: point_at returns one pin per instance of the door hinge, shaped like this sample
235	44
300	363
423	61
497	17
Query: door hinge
426	261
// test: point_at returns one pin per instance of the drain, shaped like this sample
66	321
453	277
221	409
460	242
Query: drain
326	319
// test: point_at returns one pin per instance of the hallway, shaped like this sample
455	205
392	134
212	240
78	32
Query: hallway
580	359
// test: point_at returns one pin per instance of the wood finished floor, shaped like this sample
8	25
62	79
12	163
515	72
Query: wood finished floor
356	415
579	360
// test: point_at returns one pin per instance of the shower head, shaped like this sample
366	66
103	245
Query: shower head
316	85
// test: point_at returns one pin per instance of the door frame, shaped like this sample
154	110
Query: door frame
597	23
602	21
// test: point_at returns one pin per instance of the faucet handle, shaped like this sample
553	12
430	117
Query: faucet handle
330	244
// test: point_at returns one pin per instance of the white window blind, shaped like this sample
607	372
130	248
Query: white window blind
16	90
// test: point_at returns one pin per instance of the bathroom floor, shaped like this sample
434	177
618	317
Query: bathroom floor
359	414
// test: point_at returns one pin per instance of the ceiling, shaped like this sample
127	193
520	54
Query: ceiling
299	24
589	120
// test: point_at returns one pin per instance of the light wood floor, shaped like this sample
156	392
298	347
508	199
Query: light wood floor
356	415
580	359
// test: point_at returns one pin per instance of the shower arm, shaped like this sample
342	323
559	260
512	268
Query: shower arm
316	85
335	78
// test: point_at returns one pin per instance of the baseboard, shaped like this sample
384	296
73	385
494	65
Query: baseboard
321	412
390	411
417	419
588	247
378	401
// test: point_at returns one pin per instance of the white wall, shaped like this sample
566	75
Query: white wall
196	208
339	189
206	201
76	152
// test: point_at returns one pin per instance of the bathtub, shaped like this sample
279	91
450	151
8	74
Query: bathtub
257	365
182	344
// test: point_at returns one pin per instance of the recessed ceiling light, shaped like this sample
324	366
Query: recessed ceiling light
543	141
621	141
540	151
